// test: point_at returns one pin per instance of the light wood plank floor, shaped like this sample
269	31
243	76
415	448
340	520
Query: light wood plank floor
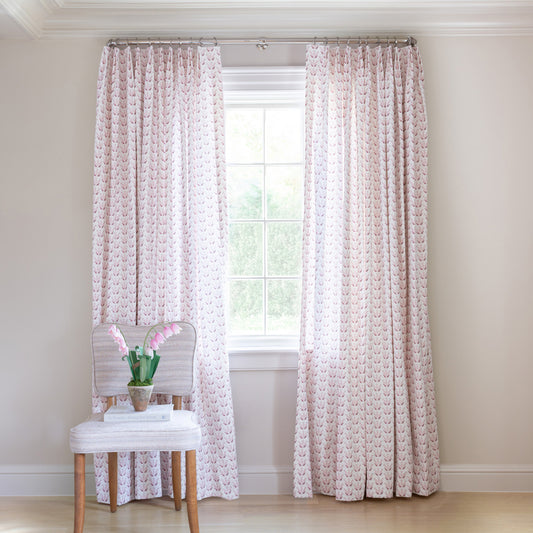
441	513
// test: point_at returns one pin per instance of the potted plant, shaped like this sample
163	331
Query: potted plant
143	360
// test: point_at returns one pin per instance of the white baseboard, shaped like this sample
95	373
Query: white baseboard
265	480
57	480
454	478
42	480
486	478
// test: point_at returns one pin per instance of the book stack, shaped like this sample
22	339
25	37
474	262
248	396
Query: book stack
126	413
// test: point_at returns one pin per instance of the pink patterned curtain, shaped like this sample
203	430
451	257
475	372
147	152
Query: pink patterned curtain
160	237
366	422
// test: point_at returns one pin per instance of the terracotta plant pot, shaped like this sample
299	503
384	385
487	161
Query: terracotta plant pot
140	396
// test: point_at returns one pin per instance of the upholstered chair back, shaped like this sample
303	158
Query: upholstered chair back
174	374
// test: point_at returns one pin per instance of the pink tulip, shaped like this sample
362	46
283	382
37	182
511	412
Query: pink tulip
167	332
119	339
175	328
153	344
159	338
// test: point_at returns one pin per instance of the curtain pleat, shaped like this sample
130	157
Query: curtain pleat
366	419
160	238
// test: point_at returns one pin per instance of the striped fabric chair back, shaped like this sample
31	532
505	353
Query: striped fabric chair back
174	374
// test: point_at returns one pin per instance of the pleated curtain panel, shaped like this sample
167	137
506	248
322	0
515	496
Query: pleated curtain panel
366	422
160	238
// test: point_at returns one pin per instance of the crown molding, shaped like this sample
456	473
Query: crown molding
52	19
31	15
479	5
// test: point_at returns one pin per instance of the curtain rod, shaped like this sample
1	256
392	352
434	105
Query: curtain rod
264	43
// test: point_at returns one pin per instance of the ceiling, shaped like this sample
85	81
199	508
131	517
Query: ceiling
56	19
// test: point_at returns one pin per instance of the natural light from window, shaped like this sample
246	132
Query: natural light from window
264	154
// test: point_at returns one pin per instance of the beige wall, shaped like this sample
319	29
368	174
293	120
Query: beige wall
47	102
480	106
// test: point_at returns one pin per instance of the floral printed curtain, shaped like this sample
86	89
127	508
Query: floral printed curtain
160	237
366	422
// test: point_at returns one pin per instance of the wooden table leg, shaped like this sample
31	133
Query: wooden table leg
79	492
176	479
112	467
191	496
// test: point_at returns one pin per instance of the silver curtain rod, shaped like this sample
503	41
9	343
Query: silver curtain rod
263	43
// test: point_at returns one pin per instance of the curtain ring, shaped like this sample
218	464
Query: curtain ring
216	42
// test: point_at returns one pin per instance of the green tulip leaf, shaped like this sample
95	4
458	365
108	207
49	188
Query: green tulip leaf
144	368
153	366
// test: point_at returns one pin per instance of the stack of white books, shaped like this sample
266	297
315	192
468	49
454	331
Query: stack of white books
126	413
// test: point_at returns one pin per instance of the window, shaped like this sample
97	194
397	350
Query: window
264	154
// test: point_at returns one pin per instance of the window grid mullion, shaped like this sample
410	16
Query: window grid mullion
292	164
263	220
262	277
264	226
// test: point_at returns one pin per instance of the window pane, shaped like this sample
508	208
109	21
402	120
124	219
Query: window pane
283	135
284	249
246	307
284	192
245	192
246	249
283	307
244	135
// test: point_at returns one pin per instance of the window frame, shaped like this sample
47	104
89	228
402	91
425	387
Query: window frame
275	87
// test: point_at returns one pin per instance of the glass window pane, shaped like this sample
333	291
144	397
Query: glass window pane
284	192
246	249
244	135
246	307
284	248
245	192
283	135
283	306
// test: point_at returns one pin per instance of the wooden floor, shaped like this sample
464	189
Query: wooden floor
444	512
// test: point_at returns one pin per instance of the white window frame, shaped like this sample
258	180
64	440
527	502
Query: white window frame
276	86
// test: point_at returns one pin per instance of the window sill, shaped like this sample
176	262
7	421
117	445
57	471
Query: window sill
250	354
